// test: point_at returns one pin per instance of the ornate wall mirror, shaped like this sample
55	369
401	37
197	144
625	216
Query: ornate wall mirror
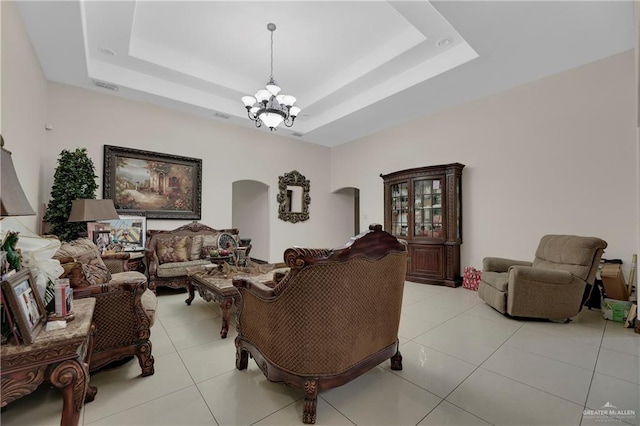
293	197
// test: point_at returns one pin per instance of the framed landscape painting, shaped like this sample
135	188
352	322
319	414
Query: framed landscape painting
162	186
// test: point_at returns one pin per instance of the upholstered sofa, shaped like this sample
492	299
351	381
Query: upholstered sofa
125	307
170	253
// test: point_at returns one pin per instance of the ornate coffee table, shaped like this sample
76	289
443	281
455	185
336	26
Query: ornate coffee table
213	284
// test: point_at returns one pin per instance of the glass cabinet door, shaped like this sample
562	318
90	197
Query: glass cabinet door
427	208
400	209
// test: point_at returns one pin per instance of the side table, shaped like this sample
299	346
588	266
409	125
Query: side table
61	357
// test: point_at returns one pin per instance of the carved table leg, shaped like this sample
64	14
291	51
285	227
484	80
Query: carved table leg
72	378
310	401
225	306
192	293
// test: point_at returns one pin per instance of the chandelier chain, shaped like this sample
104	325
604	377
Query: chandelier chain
271	55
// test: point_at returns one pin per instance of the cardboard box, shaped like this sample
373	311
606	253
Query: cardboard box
613	282
615	310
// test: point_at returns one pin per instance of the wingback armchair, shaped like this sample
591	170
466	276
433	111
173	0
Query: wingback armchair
331	318
125	307
552	286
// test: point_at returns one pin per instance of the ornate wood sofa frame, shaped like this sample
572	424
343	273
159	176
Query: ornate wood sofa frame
195	236
331	318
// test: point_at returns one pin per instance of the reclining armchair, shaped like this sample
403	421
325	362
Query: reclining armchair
551	287
331	318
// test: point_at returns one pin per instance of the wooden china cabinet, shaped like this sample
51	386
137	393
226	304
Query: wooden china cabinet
424	207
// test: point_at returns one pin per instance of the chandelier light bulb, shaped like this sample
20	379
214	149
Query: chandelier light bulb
269	106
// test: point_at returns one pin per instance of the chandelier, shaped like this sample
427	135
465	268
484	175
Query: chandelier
268	106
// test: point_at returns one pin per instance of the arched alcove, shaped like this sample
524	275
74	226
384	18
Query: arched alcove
250	214
351	195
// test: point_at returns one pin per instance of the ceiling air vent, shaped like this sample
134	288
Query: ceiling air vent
297	134
105	85
221	115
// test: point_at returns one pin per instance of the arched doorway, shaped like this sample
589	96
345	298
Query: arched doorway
250	214
353	195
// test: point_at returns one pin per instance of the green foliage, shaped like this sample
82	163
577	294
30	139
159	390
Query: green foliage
75	178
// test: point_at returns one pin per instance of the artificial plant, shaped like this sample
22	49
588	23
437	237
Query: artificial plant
75	178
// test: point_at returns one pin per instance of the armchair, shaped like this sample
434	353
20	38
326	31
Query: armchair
551	287
125	307
331	318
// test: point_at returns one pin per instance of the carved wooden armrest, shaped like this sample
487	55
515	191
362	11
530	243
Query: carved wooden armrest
263	290
95	289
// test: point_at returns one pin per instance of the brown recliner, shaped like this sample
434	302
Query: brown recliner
125	307
333	317
551	287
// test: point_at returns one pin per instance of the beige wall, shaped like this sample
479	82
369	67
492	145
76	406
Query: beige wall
83	118
23	106
557	155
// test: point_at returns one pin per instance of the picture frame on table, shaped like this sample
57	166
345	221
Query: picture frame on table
129	231
102	240
163	186
25	305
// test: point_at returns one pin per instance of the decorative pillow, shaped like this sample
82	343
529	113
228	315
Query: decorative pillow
86	252
172	249
196	247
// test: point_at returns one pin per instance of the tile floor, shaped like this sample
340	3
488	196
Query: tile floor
464	364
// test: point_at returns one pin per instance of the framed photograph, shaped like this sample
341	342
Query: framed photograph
162	186
102	240
21	294
129	231
96	226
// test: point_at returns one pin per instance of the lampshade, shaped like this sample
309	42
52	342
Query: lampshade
87	210
13	201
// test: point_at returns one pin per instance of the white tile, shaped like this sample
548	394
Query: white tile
619	365
184	407
411	327
468	338
607	390
502	401
586	327
557	378
209	359
123	388
183	315
482	310
434	371
292	415
381	398
447	414
43	407
457	300
427	313
197	333
244	397
621	339
565	350
160	342
414	292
